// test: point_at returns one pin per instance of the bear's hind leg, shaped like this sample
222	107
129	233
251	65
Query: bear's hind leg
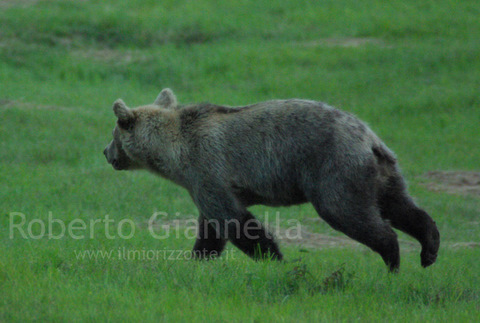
351	215
397	206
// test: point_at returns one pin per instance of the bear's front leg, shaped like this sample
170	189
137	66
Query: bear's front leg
251	237
233	222
209	243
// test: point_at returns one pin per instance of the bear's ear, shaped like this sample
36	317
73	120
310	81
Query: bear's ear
124	114
166	99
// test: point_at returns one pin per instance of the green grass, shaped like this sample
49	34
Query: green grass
409	69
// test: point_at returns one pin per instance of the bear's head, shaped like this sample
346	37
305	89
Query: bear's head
124	152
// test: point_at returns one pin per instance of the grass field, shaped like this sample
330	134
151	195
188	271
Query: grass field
410	69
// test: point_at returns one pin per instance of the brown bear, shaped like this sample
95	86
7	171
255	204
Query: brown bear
276	153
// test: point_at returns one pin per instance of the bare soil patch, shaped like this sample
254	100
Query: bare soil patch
11	104
17	3
453	182
302	237
25	3
344	42
111	55
463	245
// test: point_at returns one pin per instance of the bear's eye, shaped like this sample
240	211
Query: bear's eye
126	124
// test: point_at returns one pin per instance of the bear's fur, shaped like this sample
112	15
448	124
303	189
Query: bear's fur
277	153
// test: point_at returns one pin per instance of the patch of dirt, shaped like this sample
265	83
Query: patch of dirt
300	236
344	42
6	103
11	104
17	3
111	55
25	3
453	182
460	245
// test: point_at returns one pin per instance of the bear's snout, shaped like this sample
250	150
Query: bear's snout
116	157
108	154
105	153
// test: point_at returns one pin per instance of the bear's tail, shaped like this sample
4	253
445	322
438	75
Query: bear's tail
383	154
